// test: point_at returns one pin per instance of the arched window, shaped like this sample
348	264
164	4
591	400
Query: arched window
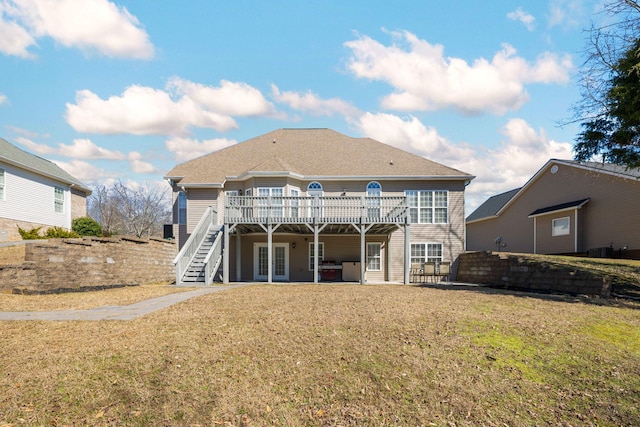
374	191
182	208
314	189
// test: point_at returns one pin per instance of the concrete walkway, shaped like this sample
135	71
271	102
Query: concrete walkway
125	312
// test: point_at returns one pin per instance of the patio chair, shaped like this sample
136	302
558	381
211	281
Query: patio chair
444	271
429	270
416	271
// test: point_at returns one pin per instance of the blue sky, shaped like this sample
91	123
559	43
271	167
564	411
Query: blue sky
127	89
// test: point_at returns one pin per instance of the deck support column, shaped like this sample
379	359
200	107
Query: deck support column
269	253
316	247
407	252
363	256
225	254
238	259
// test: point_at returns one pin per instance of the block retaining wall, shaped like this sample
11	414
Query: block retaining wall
512	271
58	265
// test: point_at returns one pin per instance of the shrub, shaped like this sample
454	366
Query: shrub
60	233
33	234
86	226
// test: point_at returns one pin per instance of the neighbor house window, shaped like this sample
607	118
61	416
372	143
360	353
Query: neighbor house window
1	184
58	199
182	208
428	207
560	226
374	256
320	254
426	252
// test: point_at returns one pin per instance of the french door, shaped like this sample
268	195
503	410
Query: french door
280	261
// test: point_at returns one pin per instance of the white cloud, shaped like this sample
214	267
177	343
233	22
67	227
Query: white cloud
82	170
142	110
424	79
3	98
80	149
520	155
86	149
91	25
230	98
523	151
411	135
184	149
525	17
566	13
311	103
34	147
139	166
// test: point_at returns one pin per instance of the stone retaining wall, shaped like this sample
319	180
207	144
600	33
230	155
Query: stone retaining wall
513	271
55	265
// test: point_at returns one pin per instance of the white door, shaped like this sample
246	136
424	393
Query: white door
280	260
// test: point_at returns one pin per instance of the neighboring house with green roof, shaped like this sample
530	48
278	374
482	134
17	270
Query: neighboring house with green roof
35	192
566	207
307	204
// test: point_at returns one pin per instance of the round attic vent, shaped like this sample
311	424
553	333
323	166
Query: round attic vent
554	168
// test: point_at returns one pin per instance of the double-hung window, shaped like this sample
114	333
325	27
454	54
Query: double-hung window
1	185
374	257
426	252
270	202
182	208
428	207
58	199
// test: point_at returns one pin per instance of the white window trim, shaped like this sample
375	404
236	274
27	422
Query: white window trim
320	254
2	184
561	232
433	206
426	257
58	201
372	257
182	218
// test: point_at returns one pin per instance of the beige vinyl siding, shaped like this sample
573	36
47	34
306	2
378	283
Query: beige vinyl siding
546	243
610	218
198	200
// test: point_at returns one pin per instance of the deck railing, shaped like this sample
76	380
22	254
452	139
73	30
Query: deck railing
325	209
191	246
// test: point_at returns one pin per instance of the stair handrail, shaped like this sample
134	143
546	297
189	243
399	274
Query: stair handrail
190	248
215	254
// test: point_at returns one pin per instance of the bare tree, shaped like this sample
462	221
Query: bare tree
137	211
608	41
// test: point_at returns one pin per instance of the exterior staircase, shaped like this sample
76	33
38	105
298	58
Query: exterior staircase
200	259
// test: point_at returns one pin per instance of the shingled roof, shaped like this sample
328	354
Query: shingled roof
13	155
492	205
309	154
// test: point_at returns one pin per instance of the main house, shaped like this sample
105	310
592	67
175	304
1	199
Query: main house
566	207
304	205
35	192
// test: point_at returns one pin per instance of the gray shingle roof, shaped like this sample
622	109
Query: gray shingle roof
309	153
560	207
20	158
492	205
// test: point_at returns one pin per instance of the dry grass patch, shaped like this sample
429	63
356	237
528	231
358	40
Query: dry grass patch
332	355
85	300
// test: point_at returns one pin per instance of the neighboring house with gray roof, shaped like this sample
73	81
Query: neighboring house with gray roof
566	207
35	192
285	204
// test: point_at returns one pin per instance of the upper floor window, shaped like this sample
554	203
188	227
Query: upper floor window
428	207
374	191
182	208
1	184
58	199
314	189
